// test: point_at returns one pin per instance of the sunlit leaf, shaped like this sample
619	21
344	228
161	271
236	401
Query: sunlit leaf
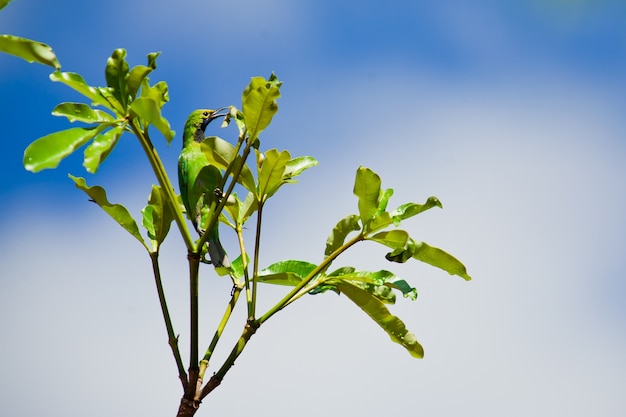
136	75
101	147
115	74
339	233
221	154
411	209
394	239
367	189
149	110
48	151
290	272
384	200
259	104
271	173
157	216
241	211
29	50
373	280
97	95
391	324
297	165
118	212
82	113
440	259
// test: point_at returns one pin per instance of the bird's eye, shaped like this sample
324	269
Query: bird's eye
205	113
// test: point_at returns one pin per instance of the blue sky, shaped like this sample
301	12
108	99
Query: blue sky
512	113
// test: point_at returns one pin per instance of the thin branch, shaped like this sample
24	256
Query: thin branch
172	339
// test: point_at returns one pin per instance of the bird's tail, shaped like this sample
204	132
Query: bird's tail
218	256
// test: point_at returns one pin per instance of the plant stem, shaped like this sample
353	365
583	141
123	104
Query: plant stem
171	337
218	332
194	265
293	294
255	267
164	182
249	329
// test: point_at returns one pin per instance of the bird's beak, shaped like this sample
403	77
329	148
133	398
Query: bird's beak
215	115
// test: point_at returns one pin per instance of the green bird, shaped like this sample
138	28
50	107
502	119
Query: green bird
198	181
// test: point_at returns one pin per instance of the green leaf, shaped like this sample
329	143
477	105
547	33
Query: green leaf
157	216
367	189
115	74
384	200
81	112
297	165
101	147
97	95
373	280
440	259
391	324
236	267
221	154
46	152
411	209
149	110
405	248
395	239
271	174
241	211
259	104
118	212
136	75
290	272
3	3
29	50
338	236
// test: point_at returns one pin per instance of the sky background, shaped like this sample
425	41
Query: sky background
512	113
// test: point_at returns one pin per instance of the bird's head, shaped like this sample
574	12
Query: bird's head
199	119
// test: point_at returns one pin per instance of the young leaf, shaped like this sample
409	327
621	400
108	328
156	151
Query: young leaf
136	75
271	173
101	147
149	110
391	324
157	216
115	74
338	236
29	50
118	212
81	112
48	151
259	104
367	189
